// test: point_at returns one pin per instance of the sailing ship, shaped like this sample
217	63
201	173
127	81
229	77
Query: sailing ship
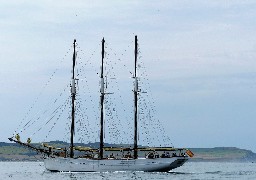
160	159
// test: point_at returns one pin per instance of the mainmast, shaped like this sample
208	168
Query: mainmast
73	95
101	101
135	101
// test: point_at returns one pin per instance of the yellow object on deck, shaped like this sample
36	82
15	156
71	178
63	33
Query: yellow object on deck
79	148
17	137
29	140
190	153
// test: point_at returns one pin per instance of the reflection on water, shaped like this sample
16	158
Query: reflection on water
191	170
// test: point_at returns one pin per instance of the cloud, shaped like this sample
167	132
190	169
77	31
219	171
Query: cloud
194	52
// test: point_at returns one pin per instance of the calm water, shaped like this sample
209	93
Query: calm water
35	170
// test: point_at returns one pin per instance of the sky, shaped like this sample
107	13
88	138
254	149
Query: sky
200	59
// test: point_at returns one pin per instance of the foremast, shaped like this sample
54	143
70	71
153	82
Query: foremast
73	96
102	102
136	90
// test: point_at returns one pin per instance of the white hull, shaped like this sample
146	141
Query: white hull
92	165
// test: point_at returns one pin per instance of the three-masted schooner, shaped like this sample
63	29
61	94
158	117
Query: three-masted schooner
93	160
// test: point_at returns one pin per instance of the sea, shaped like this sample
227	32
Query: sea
190	170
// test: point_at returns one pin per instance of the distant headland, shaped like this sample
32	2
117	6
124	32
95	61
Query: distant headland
14	152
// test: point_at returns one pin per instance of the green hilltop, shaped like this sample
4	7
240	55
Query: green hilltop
223	154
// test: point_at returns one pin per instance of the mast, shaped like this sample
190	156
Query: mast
101	101
135	101
73	95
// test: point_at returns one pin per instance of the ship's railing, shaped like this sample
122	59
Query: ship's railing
110	152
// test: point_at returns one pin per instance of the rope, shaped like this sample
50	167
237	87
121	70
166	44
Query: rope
39	95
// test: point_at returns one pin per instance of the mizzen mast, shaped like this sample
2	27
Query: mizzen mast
73	96
102	102
136	90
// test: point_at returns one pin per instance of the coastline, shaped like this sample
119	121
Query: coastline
14	152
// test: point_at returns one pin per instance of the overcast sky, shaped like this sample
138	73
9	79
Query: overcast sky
200	57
